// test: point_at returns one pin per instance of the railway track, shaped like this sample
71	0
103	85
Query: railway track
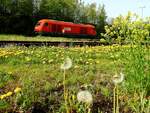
59	43
51	43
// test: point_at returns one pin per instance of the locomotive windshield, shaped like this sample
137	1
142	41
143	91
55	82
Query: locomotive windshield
38	24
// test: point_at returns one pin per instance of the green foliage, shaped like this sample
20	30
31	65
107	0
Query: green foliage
128	29
135	62
27	97
138	68
5	78
3	104
101	19
58	9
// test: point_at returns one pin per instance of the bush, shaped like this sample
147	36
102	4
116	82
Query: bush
127	29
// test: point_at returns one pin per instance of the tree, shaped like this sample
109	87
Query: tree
91	13
101	19
58	9
43	8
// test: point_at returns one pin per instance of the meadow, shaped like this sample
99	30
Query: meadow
32	79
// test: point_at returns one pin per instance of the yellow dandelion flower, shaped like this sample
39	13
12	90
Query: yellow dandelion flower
87	62
97	62
76	66
9	94
73	97
27	59
9	73
43	62
3	96
50	61
17	90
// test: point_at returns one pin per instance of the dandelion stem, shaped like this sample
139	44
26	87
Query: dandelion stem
117	103
114	101
89	110
64	80
65	92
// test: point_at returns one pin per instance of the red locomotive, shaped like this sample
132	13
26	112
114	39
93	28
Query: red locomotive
53	27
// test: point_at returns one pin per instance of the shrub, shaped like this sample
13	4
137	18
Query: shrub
130	28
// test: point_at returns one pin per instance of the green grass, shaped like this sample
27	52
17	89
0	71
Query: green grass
37	71
37	38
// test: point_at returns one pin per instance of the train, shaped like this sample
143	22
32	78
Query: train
61	28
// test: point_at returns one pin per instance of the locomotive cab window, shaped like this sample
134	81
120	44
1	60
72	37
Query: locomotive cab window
46	24
38	24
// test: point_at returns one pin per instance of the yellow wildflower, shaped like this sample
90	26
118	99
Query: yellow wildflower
76	66
9	94
9	73
3	96
44	62
97	62
73	97
87	62
17	90
28	59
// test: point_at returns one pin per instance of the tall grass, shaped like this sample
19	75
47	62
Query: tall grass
138	76
135	64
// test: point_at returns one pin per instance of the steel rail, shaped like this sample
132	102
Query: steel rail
52	43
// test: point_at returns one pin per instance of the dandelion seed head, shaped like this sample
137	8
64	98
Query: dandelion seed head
67	64
85	96
86	86
118	78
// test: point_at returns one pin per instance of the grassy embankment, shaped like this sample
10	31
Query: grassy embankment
37	38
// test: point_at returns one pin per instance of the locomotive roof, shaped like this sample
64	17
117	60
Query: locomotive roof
63	22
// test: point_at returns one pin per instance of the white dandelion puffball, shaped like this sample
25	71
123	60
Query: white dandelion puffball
118	79
85	96
67	64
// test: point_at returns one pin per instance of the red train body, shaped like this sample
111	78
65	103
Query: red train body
53	27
